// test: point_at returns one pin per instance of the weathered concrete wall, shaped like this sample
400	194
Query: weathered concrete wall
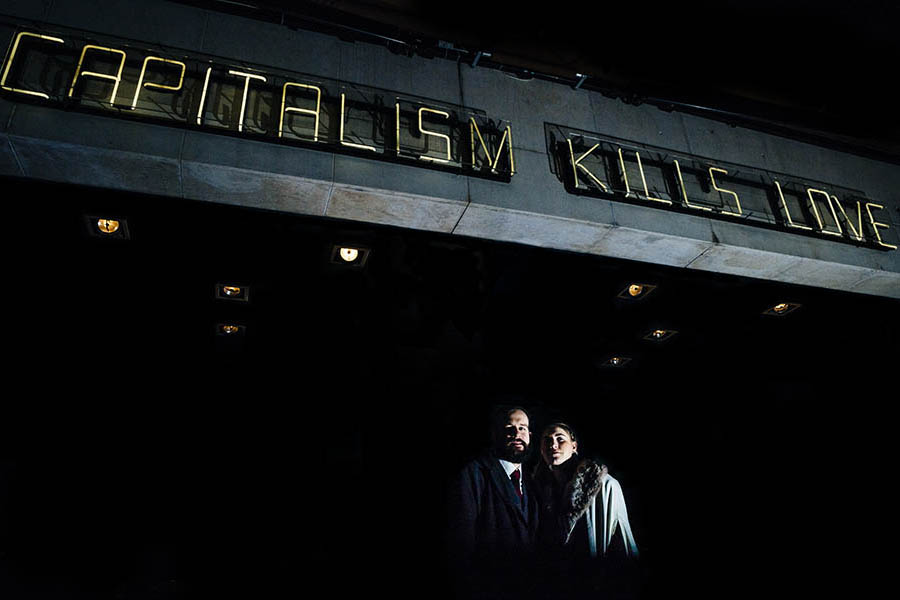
534	208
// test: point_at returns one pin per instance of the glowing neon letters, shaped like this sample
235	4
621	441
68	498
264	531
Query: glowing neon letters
201	92
603	167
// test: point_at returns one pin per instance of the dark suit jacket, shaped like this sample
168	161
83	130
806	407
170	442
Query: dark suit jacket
487	520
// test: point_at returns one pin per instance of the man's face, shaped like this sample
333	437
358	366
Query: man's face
514	437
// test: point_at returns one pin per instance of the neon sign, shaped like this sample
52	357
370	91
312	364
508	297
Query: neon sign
120	78
595	164
117	77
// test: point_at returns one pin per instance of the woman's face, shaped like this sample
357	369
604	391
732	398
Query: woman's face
557	446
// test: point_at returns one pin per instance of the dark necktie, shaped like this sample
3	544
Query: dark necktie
515	475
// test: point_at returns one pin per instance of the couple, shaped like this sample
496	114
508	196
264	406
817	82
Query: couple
500	514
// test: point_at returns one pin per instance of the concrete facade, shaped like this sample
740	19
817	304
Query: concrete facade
533	208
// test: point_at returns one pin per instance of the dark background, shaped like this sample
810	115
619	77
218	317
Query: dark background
144	455
809	69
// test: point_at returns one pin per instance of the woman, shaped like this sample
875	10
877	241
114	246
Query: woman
583	507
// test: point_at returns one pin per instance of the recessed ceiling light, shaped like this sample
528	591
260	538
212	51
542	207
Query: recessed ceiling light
349	255
616	362
230	291
659	335
781	309
229	329
636	291
108	227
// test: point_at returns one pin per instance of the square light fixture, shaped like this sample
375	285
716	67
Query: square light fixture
107	227
660	335
232	291
781	309
636	291
349	255
616	362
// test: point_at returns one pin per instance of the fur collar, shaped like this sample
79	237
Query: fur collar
581	489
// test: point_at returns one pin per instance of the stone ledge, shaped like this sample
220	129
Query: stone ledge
195	180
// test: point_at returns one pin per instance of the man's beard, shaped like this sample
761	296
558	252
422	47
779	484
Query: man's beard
513	455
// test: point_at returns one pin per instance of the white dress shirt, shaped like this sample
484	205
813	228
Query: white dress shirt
509	467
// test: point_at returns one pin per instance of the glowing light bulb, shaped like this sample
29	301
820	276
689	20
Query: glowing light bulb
349	254
635	289
108	225
780	308
230	290
229	329
659	333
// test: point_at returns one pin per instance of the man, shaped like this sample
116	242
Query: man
494	514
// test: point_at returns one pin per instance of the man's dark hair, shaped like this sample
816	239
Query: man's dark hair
500	414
